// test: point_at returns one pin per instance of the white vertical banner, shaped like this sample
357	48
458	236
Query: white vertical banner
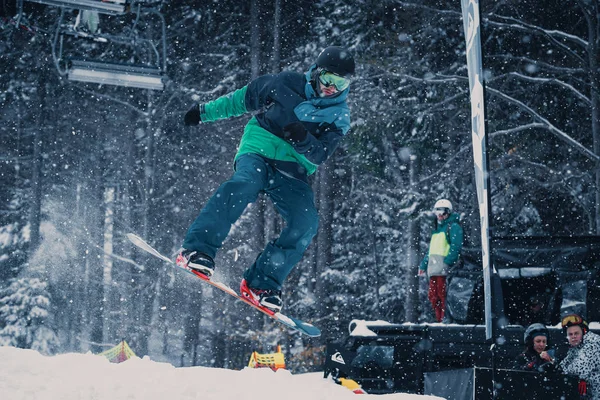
470	13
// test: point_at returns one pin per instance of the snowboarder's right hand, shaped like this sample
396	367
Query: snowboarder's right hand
294	133
192	117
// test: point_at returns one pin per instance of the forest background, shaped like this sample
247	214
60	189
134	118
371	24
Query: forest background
81	165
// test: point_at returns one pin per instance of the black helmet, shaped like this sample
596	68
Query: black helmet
337	60
534	330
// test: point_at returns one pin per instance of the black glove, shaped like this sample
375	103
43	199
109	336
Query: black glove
294	133
547	367
192	117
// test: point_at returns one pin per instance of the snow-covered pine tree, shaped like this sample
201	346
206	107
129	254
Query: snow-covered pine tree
24	316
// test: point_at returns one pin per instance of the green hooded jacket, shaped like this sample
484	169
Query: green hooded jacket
282	99
444	247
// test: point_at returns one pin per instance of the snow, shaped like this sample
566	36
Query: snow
359	327
524	272
26	374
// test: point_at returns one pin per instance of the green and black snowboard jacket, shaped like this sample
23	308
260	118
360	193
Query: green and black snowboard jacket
282	99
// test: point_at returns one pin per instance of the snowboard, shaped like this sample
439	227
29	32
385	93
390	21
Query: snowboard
290	322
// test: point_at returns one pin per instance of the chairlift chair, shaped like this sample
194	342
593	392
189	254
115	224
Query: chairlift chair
113	7
143	77
150	75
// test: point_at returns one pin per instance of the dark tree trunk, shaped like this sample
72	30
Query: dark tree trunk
35	204
94	229
325	235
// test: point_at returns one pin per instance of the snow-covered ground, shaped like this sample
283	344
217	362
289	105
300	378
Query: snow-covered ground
28	375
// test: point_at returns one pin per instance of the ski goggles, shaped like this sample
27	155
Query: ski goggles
440	211
572	319
329	79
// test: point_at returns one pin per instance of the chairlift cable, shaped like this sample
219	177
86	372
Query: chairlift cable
57	60
20	14
164	37
137	18
153	47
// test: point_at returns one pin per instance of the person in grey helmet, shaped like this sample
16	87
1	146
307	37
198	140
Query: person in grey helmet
537	356
300	122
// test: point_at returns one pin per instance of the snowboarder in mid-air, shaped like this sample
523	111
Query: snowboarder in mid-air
301	121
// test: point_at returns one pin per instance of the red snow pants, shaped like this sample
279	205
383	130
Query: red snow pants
437	296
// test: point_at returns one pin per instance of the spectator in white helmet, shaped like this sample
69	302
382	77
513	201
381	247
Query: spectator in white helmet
444	252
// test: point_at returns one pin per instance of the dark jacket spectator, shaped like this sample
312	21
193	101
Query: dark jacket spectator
538	356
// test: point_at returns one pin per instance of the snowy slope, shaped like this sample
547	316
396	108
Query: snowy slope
26	374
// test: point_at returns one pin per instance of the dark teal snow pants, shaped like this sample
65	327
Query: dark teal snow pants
292	198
